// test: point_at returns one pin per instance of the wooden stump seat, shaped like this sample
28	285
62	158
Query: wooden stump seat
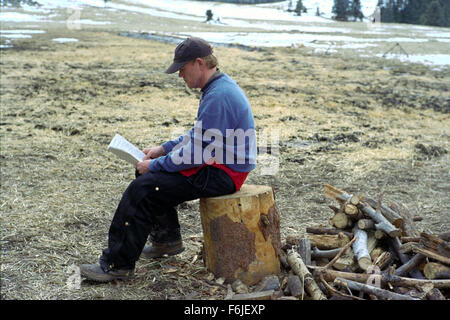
241	234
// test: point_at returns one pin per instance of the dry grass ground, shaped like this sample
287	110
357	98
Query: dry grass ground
360	125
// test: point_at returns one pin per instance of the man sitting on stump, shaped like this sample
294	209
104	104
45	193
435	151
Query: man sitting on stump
214	158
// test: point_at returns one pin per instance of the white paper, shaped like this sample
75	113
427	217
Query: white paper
125	150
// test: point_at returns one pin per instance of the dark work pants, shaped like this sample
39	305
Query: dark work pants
147	210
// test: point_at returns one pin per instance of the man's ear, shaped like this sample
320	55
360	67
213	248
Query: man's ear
201	62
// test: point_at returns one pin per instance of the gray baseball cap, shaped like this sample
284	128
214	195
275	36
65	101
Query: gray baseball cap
188	50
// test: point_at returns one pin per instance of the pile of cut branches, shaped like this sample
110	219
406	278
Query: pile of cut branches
372	251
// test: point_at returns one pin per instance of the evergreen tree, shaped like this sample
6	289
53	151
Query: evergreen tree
433	15
299	8
446	12
413	10
318	12
341	10
434	12
355	10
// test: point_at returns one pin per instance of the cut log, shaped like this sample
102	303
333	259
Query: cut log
435	294
434	270
381	293
295	286
393	217
340	195
261	295
445	236
380	234
321	230
283	260
360	248
297	265
329	254
351	210
408	227
329	275
436	244
327	242
242	234
409	239
396	244
432	255
305	250
339	220
381	223
345	261
407	247
366	224
408	266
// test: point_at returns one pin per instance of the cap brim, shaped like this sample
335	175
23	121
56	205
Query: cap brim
175	66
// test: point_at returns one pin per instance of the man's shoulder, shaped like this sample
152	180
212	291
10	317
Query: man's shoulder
224	84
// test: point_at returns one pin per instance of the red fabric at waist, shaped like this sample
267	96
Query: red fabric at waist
237	177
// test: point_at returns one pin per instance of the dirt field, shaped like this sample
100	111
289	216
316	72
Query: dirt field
360	125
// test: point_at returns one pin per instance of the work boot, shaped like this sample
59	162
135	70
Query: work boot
158	250
95	272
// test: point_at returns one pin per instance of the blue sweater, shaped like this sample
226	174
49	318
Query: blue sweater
224	131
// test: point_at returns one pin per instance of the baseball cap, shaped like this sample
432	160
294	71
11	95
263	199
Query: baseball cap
190	49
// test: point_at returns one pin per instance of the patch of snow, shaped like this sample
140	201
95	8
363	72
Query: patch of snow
64	40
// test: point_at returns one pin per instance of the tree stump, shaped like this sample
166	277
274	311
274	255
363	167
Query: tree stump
241	234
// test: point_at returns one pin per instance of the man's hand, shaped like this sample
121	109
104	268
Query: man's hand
154	152
142	166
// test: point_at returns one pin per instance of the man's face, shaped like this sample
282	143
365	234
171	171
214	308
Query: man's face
191	74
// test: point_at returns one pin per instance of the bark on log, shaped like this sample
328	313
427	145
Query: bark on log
242	234
381	293
345	261
366	224
435	294
328	254
433	270
381	223
295	286
409	228
392	216
407	247
331	231
302	271
432	255
305	250
337	194
445	236
396	244
408	266
409	239
283	260
329	275
327	242
435	244
360	248
261	295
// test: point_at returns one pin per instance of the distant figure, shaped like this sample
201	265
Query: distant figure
209	15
